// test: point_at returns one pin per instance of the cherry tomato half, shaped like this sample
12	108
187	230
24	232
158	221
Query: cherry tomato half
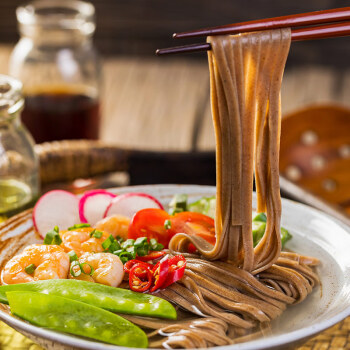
193	224
151	223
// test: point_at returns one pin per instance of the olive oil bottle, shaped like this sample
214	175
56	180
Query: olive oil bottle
19	181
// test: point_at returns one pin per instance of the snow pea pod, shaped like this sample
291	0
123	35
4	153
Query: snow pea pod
74	317
110	298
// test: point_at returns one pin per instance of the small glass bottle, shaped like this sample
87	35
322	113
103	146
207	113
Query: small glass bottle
58	65
19	165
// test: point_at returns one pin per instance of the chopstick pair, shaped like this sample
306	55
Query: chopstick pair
335	23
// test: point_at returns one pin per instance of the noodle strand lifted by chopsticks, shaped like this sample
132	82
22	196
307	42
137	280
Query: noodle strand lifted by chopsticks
246	74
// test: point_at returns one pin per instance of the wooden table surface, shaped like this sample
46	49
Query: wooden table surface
163	104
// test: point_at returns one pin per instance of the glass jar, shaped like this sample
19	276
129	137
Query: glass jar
59	67
19	174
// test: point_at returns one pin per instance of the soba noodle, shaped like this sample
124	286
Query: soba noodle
246	74
239	289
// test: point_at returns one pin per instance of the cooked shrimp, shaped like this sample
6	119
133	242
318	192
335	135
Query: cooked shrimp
80	241
115	225
50	262
108	269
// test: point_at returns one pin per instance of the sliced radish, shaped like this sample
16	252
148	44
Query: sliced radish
129	203
93	205
55	208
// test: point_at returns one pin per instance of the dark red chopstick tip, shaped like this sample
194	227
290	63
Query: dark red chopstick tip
183	49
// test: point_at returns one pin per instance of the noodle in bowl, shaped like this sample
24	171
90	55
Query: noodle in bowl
314	234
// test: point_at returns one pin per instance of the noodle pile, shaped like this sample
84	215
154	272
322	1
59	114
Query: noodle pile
239	288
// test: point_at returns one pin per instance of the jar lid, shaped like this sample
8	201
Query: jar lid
56	15
11	99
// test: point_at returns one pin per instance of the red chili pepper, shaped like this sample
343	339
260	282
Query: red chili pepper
129	264
151	256
140	278
160	273
177	266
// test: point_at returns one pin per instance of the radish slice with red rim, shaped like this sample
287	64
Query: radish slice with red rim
93	205
129	203
55	208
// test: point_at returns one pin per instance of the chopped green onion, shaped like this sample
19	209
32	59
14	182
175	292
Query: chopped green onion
95	233
140	241
76	226
155	245
72	256
75	273
125	256
124	259
132	251
30	269
98	234
92	270
114	246
107	243
53	237
117	252
159	247
142	251
119	239
142	246
128	243
167	224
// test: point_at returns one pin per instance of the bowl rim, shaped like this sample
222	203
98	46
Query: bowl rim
268	343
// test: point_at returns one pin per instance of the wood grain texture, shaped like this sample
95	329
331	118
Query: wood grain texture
164	104
152	104
139	27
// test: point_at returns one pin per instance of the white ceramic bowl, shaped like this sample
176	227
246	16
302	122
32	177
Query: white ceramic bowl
314	233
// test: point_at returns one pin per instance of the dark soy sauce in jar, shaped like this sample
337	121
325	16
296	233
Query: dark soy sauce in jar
61	113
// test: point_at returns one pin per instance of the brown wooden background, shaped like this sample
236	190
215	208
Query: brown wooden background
163	103
138	27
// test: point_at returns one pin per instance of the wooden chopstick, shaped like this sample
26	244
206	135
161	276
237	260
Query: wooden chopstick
299	34
302	19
